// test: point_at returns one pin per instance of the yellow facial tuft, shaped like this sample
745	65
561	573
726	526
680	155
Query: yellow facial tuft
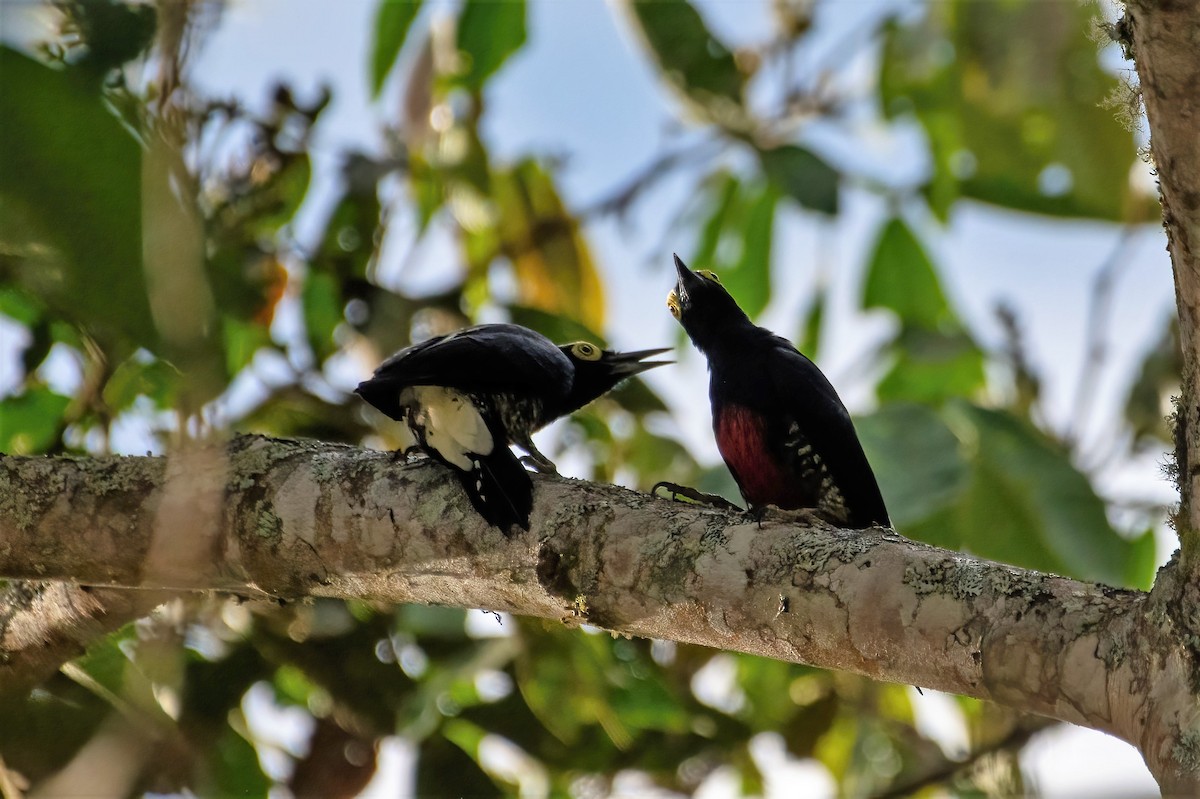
585	351
708	274
673	304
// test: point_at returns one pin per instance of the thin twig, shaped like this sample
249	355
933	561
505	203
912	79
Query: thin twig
1099	318
947	769
620	200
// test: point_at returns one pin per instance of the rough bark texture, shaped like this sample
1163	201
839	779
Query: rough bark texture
1164	36
293	519
45	624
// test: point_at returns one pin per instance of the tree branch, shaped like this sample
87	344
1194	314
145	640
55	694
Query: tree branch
1163	37
43	625
294	519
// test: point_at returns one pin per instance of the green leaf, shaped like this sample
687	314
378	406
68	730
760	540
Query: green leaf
901	278
802	176
1024	502
556	327
690	56
1023	127
392	21
19	306
30	422
444	769
1143	561
553	263
719	193
322	303
916	459
242	341
74	172
142	375
932	367
810	329
1073	523
489	31
234	768
750	281
736	238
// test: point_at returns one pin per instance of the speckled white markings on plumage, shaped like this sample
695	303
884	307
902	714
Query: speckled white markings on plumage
452	424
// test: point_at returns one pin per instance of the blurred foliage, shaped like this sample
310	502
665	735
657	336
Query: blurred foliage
168	271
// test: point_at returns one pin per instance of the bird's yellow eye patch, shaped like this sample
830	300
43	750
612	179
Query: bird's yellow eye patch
673	304
585	351
708	274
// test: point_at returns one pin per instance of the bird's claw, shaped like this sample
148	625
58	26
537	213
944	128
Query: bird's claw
540	465
694	494
408	454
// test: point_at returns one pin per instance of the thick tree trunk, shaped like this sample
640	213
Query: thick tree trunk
1164	37
294	519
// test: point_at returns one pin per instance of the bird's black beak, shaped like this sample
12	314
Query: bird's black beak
625	364
686	276
678	298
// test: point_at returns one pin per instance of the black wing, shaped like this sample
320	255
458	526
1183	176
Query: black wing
499	358
810	414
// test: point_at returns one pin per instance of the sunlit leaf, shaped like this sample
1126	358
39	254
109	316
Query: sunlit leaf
559	329
392	21
1024	502
142	375
901	278
916	459
803	176
750	281
932	367
690	56
552	260
736	238
75	173
322	304
19	306
234	769
935	358
488	33
1023	127
30	422
809	340
242	340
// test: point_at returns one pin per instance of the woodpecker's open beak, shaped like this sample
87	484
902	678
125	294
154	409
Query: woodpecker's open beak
626	364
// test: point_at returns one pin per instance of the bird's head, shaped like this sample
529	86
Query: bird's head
598	370
702	305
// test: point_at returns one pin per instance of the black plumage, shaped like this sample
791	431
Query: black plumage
466	396
780	425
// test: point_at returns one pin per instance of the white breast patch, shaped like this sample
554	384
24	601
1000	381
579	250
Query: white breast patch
452	425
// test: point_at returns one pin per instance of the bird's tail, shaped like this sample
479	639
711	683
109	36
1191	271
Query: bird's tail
500	489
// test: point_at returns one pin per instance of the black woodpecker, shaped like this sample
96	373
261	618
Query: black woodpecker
780	426
466	396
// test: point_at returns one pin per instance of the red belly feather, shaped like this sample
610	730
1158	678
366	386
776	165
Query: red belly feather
742	439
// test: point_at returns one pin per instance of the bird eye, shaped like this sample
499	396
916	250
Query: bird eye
709	274
585	352
673	304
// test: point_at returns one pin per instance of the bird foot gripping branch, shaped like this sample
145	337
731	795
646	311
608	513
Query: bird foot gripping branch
693	494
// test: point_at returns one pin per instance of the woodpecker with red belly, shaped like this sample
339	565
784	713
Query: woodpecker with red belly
466	396
780	426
